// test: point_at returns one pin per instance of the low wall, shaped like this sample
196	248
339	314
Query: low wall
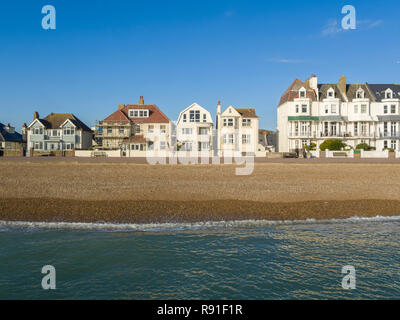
92	153
315	154
274	155
374	154
53	153
339	154
11	153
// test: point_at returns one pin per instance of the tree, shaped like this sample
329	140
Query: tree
364	146
332	144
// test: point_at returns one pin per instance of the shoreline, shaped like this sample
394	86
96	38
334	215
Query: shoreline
160	211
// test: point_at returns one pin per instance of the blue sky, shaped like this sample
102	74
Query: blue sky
174	53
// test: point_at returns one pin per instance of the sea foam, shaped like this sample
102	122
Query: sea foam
179	226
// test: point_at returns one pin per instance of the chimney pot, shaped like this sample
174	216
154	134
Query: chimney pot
35	115
141	100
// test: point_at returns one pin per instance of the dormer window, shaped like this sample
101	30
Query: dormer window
389	94
302	93
360	94
133	113
331	93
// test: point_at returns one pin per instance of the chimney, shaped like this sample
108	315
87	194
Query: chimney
36	115
342	84
24	132
141	101
121	106
313	81
218	113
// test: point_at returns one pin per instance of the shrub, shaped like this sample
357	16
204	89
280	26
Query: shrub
332	144
365	147
390	149
310	147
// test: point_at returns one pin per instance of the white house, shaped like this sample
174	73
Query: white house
194	130
237	131
309	112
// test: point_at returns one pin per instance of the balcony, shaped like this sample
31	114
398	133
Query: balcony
389	135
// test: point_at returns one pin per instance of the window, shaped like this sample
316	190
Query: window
355	108
187	146
363	108
331	93
385	129
38	131
245	138
389	94
194	115
228	138
385	109
296	128
204	146
54	133
151	128
360	94
393	144
304	108
162	145
302	93
121	130
186	130
393	129
228	122
355	128
246	122
385	144
69	146
138	113
326	109
297	108
184	117
109	130
69	131
333	108
364	129
137	129
204	117
393	108
163	129
203	131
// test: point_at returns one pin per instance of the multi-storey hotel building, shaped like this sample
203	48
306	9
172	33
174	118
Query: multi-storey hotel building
355	113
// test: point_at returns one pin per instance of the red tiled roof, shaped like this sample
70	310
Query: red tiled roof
293	92
117	116
155	114
137	139
247	112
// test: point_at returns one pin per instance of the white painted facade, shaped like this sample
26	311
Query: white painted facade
356	113
194	130
237	131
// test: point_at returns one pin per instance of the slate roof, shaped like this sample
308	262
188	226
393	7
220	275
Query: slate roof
379	90
6	136
55	120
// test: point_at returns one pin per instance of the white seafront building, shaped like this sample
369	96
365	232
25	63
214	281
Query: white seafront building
355	113
194	131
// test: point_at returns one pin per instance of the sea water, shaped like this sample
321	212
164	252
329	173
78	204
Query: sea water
214	260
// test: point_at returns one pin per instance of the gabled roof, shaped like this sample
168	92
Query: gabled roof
379	90
351	92
323	92
195	104
155	114
292	92
55	121
117	116
247	112
6	136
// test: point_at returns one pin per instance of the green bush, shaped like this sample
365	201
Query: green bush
332	144
365	147
390	149
310	147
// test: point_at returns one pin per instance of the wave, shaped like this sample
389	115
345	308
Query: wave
159	227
